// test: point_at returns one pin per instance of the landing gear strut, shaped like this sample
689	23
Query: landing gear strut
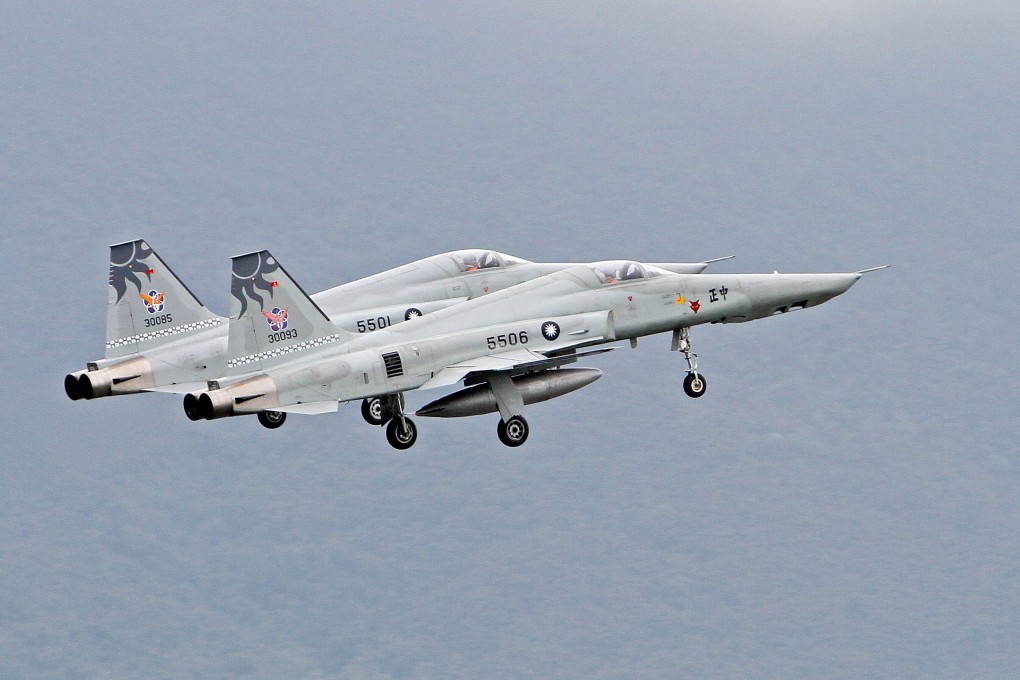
513	428
401	432
695	383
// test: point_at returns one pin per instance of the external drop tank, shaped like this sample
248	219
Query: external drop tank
533	387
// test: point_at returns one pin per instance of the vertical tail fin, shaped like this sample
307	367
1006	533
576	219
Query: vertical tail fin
148	306
272	319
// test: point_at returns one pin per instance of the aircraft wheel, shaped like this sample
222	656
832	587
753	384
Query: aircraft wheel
272	419
401	436
513	432
695	385
372	411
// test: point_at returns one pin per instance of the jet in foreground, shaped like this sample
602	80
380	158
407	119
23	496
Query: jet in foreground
509	348
160	338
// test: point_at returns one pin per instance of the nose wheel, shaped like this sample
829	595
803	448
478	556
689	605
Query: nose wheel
695	383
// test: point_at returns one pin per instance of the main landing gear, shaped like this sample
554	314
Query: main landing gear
372	411
401	431
513	428
272	419
695	384
513	432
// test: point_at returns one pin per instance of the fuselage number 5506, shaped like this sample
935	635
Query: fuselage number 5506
507	340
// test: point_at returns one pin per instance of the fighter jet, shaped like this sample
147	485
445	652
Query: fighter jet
160	338
509	348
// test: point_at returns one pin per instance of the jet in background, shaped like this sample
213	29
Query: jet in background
161	338
509	348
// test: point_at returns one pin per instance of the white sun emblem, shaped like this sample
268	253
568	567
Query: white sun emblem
551	330
412	313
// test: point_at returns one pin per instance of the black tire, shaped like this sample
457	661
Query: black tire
272	419
695	385
513	432
401	437
372	411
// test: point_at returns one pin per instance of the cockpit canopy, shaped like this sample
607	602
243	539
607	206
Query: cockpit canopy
474	260
617	271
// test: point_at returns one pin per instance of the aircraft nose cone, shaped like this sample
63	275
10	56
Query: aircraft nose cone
844	281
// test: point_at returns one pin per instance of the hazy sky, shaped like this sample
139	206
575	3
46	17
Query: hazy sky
842	503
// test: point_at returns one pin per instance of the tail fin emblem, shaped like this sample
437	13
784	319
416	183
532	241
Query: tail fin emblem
153	301
277	318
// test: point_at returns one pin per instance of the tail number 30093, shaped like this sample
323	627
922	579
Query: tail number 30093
507	340
280	336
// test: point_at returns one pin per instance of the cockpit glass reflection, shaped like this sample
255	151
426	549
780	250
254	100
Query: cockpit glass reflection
473	260
615	272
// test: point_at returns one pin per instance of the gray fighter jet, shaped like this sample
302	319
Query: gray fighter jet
160	338
509	348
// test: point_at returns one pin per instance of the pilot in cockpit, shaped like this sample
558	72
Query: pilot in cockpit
483	260
614	272
630	271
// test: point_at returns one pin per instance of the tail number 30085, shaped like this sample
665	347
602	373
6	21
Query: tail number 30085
507	340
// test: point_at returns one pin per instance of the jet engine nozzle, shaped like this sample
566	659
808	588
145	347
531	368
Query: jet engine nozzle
213	404
126	377
71	386
243	398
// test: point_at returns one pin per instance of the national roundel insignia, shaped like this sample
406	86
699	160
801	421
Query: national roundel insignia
550	330
412	313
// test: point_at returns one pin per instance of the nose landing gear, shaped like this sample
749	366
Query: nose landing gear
695	384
